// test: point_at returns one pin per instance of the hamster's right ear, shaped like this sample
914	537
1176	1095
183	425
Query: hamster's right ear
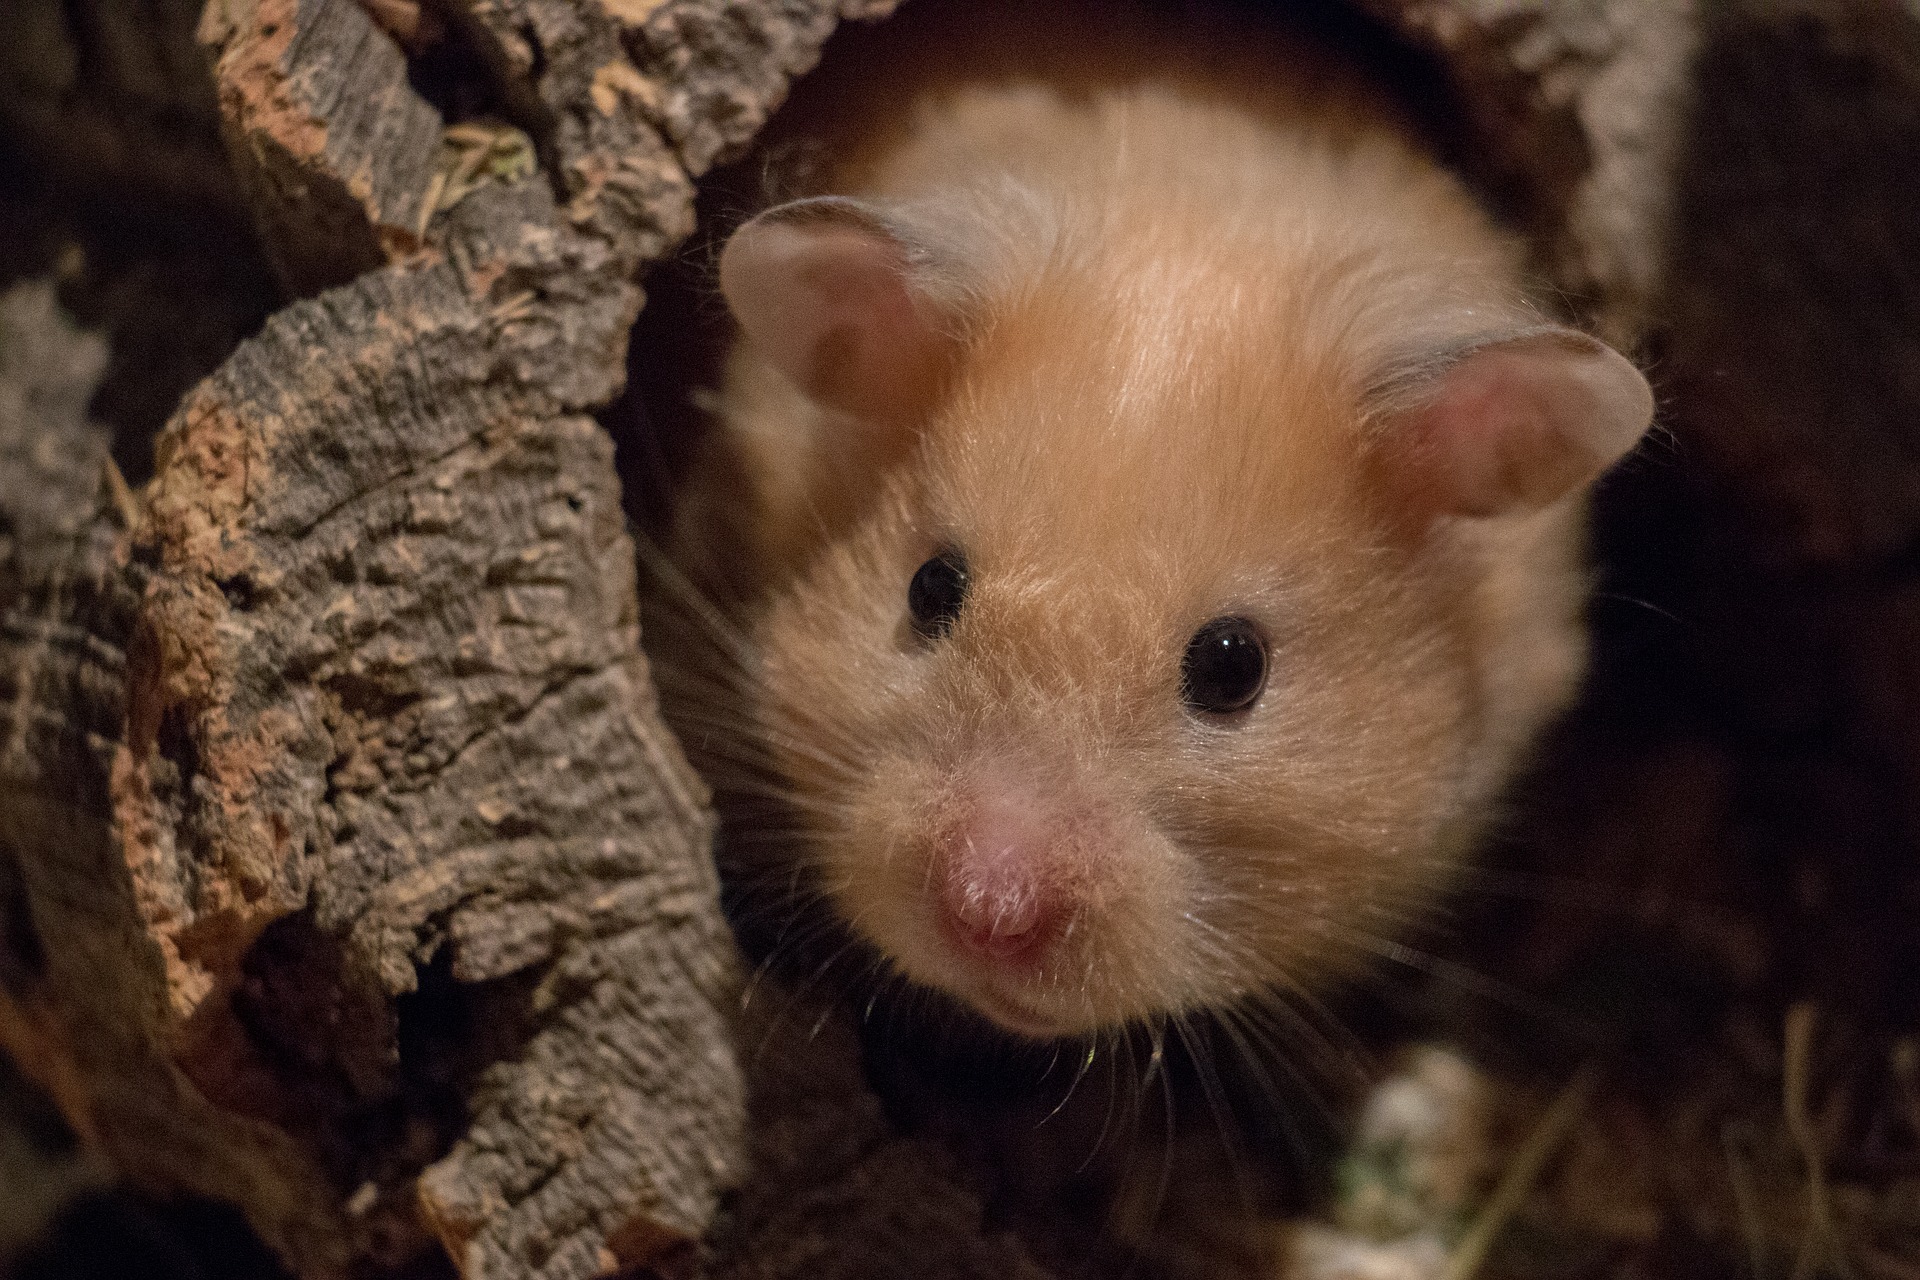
1514	422
823	289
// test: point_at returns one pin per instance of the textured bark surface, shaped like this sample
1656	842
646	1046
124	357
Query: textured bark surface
333	148
404	665
373	704
835	1190
393	617
83	1016
1576	115
347	875
54	690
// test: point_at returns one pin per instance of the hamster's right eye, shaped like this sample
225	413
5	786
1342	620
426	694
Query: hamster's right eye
1225	667
938	589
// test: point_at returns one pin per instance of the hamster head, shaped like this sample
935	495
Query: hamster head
1164	610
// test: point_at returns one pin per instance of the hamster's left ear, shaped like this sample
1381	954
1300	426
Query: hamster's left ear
1514	423
824	290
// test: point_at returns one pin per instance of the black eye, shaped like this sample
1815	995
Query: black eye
938	589
1225	667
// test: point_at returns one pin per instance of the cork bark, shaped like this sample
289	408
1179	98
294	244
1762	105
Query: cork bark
355	880
347	873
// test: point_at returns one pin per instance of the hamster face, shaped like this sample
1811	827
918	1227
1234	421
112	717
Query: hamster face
1173	529
1024	800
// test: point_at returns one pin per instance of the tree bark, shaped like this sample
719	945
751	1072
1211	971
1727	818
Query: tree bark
352	694
347	872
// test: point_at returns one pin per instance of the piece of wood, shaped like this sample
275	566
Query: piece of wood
835	1192
82	1011
383	705
392	616
333	148
57	542
346	872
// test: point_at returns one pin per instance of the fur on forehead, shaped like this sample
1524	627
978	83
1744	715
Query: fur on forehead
1153	184
1153	366
1190	387
1081	428
1168	329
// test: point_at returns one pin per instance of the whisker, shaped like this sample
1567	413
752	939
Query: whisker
1086	1064
699	607
1106	1122
1473	982
1213	1091
1257	1049
1557	891
1649	606
1165	1179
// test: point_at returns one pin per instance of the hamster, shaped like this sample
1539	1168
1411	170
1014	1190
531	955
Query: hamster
1156	509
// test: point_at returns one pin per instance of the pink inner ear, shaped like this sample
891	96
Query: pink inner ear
1516	425
822	292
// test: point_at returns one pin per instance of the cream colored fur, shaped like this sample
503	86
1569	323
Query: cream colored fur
1172	306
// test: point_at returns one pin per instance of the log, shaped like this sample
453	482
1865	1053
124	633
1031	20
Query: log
393	613
84	1014
347	873
56	532
382	708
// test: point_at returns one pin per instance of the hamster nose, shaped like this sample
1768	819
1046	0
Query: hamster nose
995	899
998	918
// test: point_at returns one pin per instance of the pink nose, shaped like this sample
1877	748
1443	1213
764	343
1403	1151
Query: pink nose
997	898
1004	921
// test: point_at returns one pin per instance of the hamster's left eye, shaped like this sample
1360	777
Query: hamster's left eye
938	589
1225	667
